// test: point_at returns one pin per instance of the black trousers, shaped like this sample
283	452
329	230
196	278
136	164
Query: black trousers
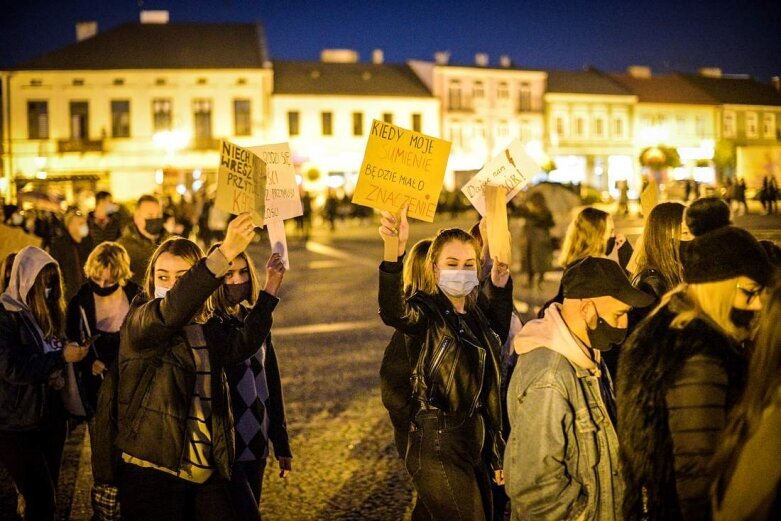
247	486
444	458
33	461
150	495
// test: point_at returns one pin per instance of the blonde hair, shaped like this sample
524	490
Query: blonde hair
429	281
109	255
711	300
414	273
184	249
585	237
219	300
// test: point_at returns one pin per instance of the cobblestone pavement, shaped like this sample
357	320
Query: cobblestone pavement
329	342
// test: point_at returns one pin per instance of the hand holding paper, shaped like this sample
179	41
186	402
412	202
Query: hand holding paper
275	271
394	230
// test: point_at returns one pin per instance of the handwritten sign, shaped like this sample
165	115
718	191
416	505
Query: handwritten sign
512	169
402	166
282	198
241	182
496	221
278	240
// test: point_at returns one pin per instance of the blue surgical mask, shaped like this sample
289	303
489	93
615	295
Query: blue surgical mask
161	291
457	283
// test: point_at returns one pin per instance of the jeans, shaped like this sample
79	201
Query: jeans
444	458
33	461
150	495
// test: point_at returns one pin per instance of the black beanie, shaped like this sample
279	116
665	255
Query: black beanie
726	253
707	214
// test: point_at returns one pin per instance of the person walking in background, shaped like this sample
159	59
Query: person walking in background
537	252
740	195
729	192
456	434
257	401
681	372
70	250
772	195
748	473
562	455
143	235
33	358
103	221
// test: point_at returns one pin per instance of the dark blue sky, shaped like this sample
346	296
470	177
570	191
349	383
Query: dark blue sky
740	37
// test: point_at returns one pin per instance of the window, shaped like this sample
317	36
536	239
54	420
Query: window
357	123
78	82
455	134
525	97
160	81
479	129
79	120
326	121
769	125
526	131
38	119
580	126
504	129
599	127
417	122
502	91
242	117
680	124
752	130
699	126
618	127
729	128
387	117
120	118
202	119
560	126
201	81
478	91
119	82
241	81
36	83
292	123
161	114
454	96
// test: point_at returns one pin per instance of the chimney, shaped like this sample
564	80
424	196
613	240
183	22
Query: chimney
505	61
639	71
775	81
378	57
86	30
710	72
338	56
154	17
442	57
481	59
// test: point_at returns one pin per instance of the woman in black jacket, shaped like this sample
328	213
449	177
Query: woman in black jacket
456	373
33	357
258	409
175	428
681	372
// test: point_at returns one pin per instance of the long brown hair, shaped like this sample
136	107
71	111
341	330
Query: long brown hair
763	385
49	313
219	300
178	247
661	237
444	237
414	272
585	236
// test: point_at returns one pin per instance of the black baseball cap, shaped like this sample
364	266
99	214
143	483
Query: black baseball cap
599	277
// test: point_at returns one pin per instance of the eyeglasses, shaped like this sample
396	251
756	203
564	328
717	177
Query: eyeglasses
751	294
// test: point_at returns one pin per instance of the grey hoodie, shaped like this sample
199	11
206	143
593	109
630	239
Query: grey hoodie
561	460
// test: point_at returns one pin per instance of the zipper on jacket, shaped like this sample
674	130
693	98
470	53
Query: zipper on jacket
481	353
439	356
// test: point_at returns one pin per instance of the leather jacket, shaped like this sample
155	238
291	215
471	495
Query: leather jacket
455	370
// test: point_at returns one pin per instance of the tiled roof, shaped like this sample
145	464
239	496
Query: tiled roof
668	88
738	91
161	46
584	82
362	79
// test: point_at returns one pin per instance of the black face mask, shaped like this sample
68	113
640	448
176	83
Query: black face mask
611	243
743	318
237	293
103	291
604	335
153	226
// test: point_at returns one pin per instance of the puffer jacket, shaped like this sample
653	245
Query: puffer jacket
454	371
157	370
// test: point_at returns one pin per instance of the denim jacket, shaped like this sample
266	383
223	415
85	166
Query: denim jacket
561	460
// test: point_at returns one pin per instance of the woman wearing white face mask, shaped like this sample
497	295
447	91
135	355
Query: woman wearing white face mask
455	444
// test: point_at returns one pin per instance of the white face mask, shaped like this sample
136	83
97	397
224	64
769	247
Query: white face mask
83	230
160	291
457	283
112	209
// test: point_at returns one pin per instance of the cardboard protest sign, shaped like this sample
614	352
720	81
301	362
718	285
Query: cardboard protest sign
496	221
278	240
649	197
401	166
282	198
512	169
241	182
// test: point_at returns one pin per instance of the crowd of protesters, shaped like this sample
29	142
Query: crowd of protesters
647	388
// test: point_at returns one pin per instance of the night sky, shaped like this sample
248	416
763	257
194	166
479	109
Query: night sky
743	37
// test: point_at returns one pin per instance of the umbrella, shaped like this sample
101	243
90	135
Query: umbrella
561	200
